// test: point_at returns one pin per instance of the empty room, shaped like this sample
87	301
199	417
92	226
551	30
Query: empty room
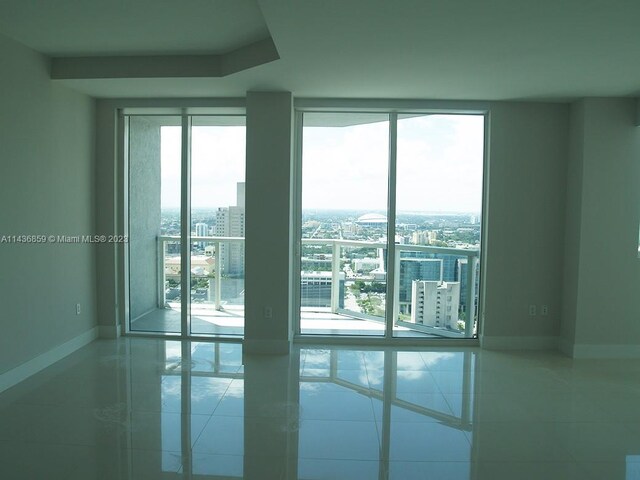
290	239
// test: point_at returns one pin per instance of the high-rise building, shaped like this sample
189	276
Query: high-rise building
461	276
428	269
230	223
202	230
421	237
449	263
315	289
435	304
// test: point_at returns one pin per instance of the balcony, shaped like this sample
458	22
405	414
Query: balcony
330	304
344	308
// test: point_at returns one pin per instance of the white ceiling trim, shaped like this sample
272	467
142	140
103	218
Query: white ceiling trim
165	66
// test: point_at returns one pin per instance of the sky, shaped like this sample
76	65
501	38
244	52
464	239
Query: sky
217	165
439	165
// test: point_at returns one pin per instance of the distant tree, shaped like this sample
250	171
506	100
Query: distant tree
199	283
358	286
373	287
376	287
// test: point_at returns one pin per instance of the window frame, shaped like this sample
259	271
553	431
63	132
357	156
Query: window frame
186	110
393	108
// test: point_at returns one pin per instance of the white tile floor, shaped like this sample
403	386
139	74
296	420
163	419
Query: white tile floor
151	409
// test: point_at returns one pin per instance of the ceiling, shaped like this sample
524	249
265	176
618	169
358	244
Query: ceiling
130	27
435	49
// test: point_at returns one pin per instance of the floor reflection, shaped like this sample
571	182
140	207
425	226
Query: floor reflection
139	408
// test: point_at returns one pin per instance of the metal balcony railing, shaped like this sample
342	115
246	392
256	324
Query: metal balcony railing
472	257
217	280
337	245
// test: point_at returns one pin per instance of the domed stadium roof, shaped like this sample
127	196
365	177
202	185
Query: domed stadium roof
372	218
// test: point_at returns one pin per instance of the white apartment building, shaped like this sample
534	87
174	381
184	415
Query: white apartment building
202	230
365	265
434	303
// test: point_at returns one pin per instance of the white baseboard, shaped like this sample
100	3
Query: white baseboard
266	347
583	350
566	347
109	332
46	359
518	343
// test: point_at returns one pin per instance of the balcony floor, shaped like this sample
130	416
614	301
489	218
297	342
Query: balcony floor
206	320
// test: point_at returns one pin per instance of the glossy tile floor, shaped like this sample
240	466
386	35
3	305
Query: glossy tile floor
151	409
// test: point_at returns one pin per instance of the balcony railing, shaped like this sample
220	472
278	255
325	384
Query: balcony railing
162	242
472	258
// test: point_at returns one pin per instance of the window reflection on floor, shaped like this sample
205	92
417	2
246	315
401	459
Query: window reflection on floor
373	409
336	410
148	408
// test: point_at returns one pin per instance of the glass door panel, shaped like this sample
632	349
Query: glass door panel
154	160
438	217
344	223
213	218
217	225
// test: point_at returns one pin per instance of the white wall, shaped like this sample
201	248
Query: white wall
602	311
572	239
108	195
268	230
525	224
145	216
564	208
46	185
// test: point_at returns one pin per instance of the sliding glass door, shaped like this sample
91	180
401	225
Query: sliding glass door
344	224
391	209
155	222
186	224
439	168
217	225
